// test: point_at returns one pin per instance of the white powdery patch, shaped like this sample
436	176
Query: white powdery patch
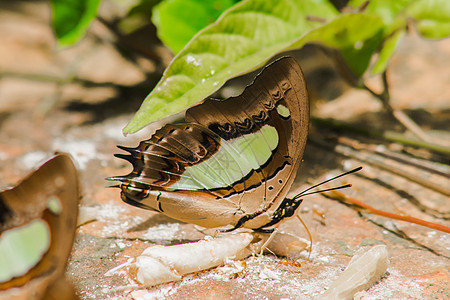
431	234
267	273
295	286
161	293
115	229
255	271
3	155
311	288
114	132
33	159
113	216
262	271
109	211
321	254
162	232
393	285
444	240
82	151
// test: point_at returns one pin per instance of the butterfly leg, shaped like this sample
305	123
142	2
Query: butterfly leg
245	219
229	229
272	235
264	230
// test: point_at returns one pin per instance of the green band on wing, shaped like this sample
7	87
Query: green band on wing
283	111
54	204
22	248
234	160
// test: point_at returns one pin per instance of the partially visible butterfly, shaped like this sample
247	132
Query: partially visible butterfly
37	229
232	162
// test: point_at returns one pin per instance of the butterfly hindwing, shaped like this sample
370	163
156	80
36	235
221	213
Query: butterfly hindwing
37	230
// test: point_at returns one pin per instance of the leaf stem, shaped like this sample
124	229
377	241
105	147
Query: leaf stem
411	125
384	96
398	114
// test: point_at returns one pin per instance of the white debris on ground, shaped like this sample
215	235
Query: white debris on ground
34	159
392	286
109	212
269	274
160	264
366	267
82	151
115	219
161	232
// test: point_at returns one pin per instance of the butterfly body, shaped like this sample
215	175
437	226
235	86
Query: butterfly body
232	162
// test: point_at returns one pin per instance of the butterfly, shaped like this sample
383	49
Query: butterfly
232	162
37	229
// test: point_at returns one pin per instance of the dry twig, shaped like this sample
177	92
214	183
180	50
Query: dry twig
361	205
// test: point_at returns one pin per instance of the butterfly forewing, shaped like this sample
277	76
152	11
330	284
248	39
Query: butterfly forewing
232	159
38	220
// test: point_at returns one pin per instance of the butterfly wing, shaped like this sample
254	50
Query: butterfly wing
274	112
37	228
232	158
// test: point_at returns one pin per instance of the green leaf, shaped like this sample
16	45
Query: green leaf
71	19
389	46
432	17
387	10
244	37
356	35
178	21
359	55
344	31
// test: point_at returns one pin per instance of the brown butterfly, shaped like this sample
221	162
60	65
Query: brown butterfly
232	162
37	229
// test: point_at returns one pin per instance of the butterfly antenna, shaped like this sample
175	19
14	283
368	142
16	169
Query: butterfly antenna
328	180
326	190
